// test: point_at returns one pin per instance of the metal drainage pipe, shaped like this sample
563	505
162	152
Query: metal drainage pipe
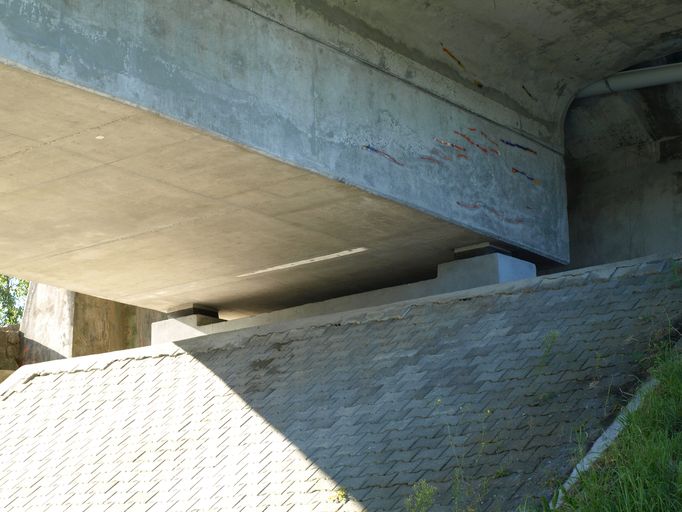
634	79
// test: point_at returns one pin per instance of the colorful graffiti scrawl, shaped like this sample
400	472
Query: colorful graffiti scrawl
382	153
439	157
534	181
519	146
484	149
431	159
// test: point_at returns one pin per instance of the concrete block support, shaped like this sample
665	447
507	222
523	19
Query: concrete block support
47	324
184	327
453	276
481	271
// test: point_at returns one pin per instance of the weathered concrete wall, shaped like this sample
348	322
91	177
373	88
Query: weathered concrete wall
625	175
231	71
59	323
101	325
47	324
10	350
543	51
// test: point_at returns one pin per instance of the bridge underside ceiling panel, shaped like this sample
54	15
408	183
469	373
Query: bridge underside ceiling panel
109	200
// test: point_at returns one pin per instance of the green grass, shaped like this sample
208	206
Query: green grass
642	470
421	499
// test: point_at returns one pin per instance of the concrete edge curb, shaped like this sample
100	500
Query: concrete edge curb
604	441
19	375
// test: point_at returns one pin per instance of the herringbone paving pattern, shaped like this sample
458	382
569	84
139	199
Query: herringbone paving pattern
486	394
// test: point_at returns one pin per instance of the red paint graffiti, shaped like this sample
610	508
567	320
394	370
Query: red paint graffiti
431	159
449	144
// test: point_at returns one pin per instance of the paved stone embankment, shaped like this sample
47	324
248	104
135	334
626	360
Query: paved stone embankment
487	393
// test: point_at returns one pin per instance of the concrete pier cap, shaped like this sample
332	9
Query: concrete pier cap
253	159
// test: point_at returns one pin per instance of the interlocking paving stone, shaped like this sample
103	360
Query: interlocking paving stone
494	385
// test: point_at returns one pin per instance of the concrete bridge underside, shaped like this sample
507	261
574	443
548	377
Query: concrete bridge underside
385	133
121	203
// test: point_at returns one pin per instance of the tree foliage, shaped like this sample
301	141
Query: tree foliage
12	299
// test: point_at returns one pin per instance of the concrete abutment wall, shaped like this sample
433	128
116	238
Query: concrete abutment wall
60	323
625	175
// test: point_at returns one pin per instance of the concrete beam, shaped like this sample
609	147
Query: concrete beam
230	71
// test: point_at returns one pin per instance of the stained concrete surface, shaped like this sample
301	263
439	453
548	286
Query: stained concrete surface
372	95
543	50
101	325
624	174
10	348
159	215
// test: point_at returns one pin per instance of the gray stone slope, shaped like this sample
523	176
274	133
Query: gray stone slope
486	394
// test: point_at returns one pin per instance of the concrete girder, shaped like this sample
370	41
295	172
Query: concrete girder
225	69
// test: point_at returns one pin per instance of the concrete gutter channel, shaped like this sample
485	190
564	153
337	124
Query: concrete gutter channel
607	438
603	442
